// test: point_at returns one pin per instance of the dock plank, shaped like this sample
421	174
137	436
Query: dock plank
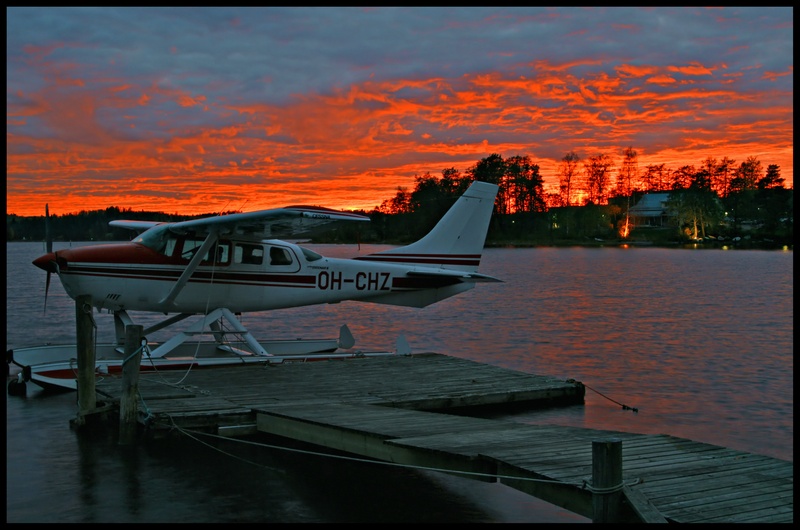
390	408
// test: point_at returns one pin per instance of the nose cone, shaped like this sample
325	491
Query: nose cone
46	262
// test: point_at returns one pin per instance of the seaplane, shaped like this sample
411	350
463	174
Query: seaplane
214	269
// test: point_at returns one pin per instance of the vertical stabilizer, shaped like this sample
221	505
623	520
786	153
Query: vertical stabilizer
456	242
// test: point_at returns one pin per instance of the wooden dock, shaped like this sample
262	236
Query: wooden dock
391	409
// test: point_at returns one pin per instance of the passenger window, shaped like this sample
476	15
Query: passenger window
190	247
223	254
279	256
249	254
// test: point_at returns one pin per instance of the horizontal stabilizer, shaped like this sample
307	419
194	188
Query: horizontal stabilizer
464	275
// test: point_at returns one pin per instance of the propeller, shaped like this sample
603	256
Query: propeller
46	289
49	248
52	266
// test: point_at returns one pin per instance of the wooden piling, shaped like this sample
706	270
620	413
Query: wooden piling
84	331
607	480
128	403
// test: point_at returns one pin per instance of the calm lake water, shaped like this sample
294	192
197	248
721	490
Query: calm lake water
699	341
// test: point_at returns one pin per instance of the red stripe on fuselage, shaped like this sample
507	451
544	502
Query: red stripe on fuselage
116	253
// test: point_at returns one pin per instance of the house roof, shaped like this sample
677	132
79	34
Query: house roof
650	205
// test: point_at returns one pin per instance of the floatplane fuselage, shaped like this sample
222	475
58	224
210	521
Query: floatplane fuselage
194	266
243	277
225	265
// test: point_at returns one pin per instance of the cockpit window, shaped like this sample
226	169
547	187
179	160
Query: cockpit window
279	256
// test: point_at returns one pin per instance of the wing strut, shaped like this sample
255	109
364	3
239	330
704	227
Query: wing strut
198	257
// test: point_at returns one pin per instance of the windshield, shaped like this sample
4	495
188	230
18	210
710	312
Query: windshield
155	238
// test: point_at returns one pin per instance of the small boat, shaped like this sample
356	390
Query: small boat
55	367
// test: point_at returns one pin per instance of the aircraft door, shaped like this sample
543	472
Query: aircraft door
281	259
279	256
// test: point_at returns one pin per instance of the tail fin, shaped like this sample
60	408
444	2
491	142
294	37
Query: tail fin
456	242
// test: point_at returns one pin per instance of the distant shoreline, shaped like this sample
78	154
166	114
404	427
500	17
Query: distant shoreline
610	243
725	245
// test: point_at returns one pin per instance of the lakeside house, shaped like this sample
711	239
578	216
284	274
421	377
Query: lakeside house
650	210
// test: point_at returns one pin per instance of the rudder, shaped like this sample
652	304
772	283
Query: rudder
457	240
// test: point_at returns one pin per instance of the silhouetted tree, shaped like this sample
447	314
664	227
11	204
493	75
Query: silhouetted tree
567	174
655	178
526	186
696	208
491	169
721	177
682	177
773	203
772	179
400	203
741	198
598	172
747	175
628	173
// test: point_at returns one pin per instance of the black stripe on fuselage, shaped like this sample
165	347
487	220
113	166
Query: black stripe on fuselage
160	274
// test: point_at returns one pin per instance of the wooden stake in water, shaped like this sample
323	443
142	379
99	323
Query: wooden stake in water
128	406
84	334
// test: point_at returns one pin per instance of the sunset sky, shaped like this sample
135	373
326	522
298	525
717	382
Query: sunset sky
196	110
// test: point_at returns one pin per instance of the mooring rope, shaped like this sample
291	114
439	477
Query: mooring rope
131	356
610	489
189	433
624	407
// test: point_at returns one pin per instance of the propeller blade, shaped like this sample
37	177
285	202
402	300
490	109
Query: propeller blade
47	282
48	238
46	289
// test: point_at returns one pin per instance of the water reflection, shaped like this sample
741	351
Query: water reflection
228	481
699	341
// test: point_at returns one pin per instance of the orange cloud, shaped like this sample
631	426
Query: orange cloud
352	148
693	69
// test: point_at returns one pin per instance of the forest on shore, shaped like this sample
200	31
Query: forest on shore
718	204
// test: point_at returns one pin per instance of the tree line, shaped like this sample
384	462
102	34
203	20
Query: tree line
718	199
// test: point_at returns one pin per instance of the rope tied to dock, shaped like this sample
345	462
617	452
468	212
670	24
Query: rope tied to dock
611	489
149	416
143	347
191	434
624	407
87	310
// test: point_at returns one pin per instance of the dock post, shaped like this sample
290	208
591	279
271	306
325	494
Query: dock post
607	480
128	407
84	332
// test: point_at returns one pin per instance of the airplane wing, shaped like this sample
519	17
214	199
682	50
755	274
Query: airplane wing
292	221
134	225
